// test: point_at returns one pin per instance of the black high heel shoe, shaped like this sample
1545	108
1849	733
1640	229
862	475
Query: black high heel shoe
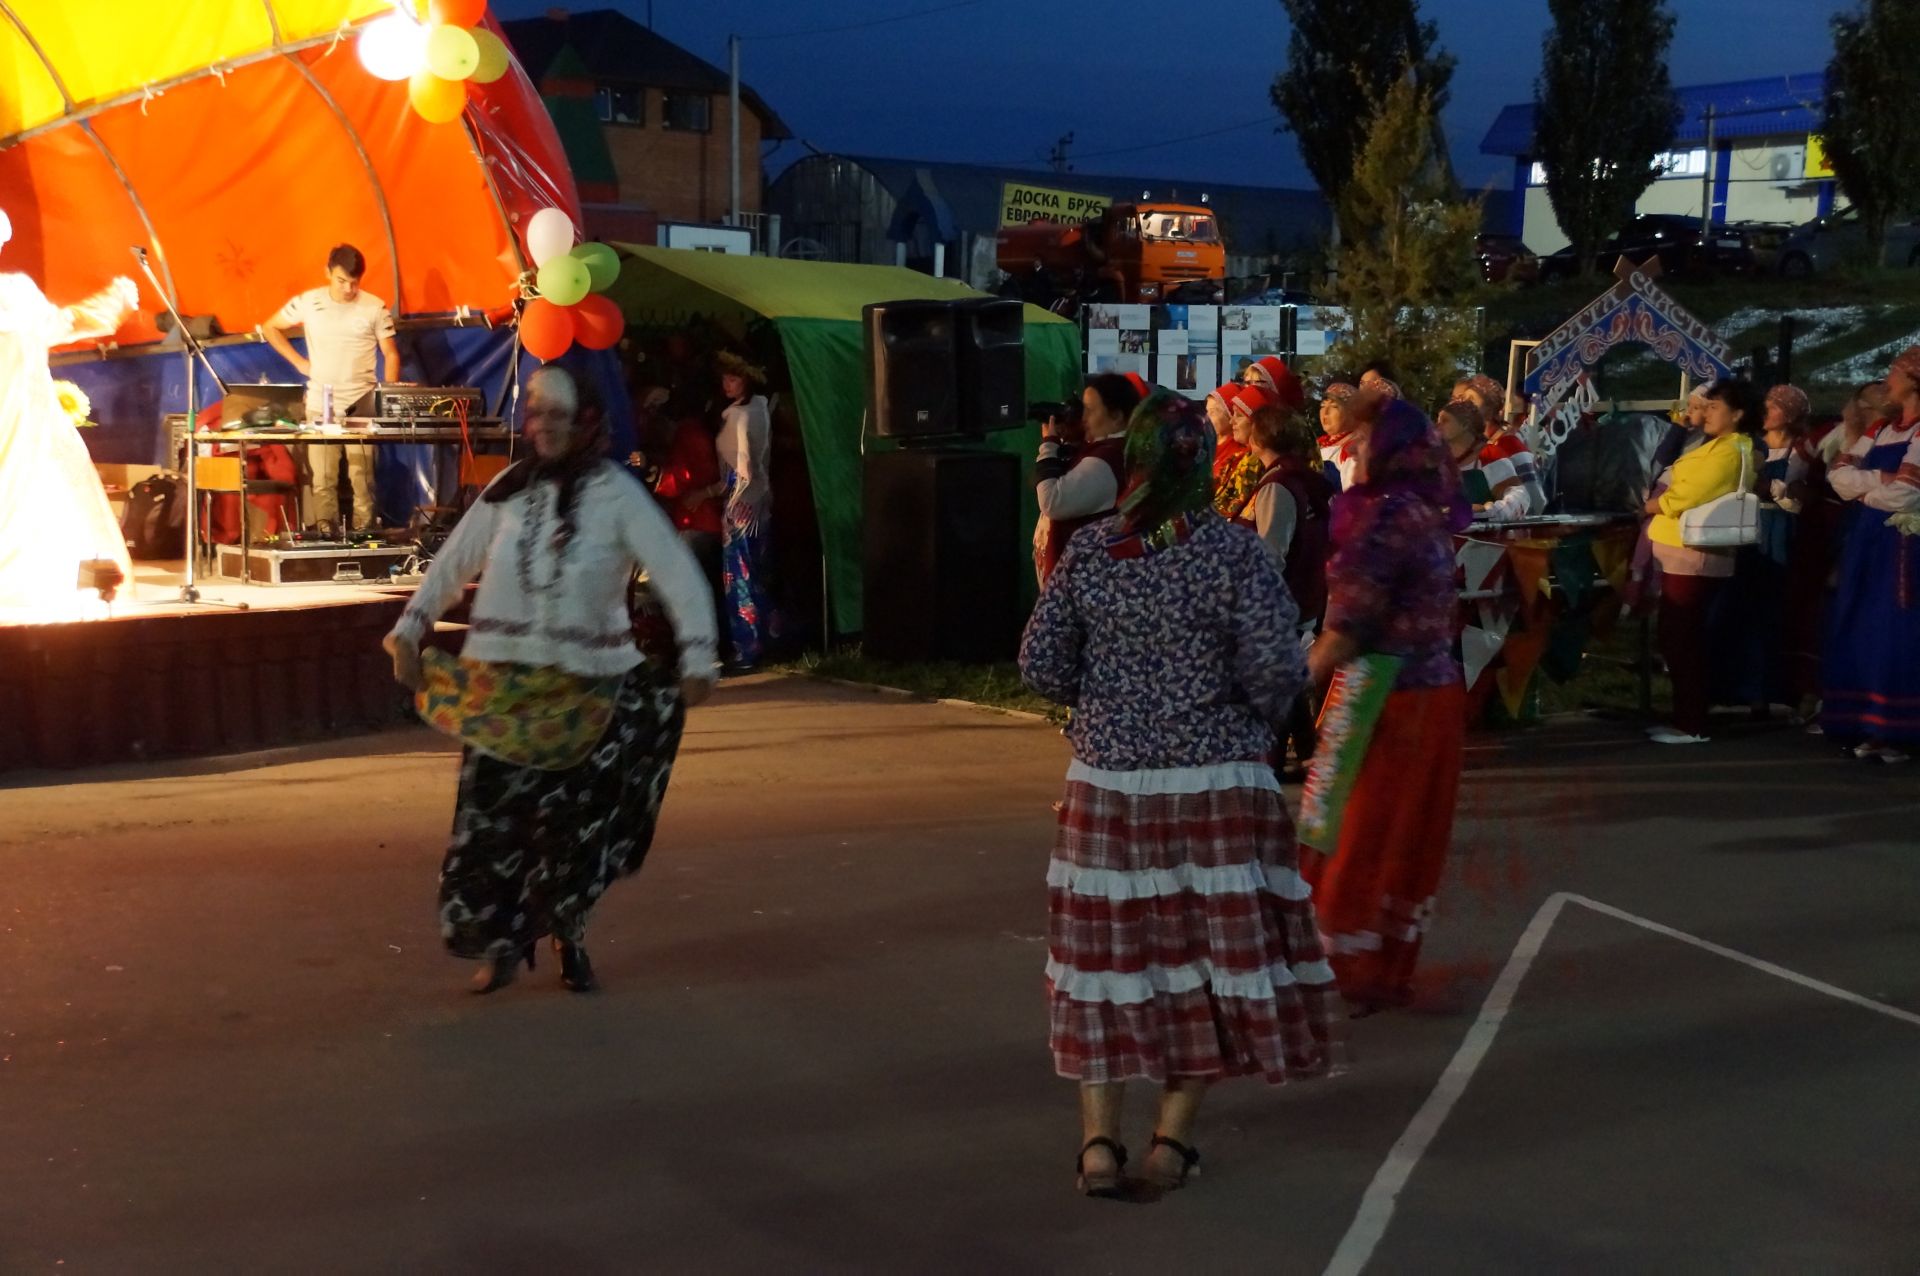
576	972
501	971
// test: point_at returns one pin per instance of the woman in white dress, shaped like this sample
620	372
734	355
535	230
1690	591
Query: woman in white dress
54	514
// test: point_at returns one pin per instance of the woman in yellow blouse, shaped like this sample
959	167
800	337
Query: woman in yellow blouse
1693	578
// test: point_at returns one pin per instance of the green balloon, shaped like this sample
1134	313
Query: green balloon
602	263
564	280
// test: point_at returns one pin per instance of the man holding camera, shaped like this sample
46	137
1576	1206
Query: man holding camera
1082	466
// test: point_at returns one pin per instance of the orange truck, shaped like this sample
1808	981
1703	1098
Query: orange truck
1145	253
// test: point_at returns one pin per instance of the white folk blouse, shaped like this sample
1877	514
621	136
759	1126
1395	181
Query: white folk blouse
568	609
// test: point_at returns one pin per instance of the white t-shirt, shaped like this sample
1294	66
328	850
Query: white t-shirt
342	339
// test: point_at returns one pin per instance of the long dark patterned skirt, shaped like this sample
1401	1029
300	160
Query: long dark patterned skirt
533	851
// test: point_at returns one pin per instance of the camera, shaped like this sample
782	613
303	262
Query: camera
1068	418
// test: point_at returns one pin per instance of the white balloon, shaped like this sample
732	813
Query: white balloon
549	235
393	47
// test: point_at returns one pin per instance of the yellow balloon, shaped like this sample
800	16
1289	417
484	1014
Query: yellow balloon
452	53
494	58
564	280
436	100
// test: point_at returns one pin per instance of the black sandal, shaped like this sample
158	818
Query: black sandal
1189	1164
1106	1185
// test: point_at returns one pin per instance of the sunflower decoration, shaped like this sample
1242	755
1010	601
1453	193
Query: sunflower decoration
74	402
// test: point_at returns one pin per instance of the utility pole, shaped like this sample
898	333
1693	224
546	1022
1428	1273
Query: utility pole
1057	157
733	127
1706	181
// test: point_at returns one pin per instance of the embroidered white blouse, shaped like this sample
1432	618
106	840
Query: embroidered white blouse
567	610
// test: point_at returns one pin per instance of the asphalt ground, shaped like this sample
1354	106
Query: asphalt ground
230	1041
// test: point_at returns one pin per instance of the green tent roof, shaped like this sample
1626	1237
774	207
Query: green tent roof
816	308
775	287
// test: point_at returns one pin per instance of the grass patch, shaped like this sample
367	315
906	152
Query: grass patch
996	686
1606	683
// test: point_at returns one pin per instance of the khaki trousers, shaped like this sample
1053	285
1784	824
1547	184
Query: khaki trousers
324	460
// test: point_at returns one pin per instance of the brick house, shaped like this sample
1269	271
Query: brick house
644	122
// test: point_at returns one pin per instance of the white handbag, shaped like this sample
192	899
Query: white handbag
1726	522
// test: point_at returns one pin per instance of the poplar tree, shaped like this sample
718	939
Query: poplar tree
1604	112
1341	57
1868	123
1407	284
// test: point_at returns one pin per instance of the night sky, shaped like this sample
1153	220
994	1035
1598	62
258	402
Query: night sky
996	81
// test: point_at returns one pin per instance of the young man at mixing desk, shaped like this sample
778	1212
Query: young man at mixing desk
344	326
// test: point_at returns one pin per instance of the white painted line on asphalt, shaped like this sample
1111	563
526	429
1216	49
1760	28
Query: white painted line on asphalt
1778	972
1376	1207
1383	1194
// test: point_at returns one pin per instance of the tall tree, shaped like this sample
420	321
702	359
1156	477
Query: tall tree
1341	57
1407	284
1605	110
1869	126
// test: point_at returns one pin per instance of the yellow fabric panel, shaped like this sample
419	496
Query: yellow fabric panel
104	49
27	92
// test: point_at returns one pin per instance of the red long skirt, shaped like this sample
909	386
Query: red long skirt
1374	895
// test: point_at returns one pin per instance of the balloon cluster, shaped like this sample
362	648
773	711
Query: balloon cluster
568	304
436	56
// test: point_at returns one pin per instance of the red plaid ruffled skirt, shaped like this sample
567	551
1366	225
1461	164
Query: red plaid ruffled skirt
1182	942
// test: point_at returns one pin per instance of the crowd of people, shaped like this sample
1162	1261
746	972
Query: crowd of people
1208	571
1817	615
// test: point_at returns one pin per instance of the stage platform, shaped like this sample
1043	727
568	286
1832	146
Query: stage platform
248	667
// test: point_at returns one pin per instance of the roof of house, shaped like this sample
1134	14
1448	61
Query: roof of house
615	48
1786	105
1279	217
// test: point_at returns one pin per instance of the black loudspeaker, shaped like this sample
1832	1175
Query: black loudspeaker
942	555
992	366
912	381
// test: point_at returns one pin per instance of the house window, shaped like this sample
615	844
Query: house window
686	112
617	105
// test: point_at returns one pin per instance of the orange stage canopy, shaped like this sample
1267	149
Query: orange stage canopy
238	140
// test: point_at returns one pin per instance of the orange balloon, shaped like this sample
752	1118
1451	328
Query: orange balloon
436	100
546	330
597	322
458	13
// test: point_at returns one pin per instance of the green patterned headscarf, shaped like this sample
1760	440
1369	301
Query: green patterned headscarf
1169	462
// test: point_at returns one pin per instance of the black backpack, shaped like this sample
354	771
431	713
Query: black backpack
155	523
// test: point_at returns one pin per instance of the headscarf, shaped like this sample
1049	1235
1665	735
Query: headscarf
1252	398
1273	374
1378	383
1139	384
1468	413
1489	389
1908	361
1405	458
1339	392
588	451
1792	400
1227	394
1169	462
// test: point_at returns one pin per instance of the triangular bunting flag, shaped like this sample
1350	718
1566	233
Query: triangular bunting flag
1613	555
1529	563
1478	560
1478	647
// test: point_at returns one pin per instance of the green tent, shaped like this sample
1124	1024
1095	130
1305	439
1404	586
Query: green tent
815	307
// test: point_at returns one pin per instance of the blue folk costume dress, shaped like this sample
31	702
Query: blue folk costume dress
744	444
1872	669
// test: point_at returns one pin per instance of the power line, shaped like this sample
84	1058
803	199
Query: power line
1170	141
871	22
